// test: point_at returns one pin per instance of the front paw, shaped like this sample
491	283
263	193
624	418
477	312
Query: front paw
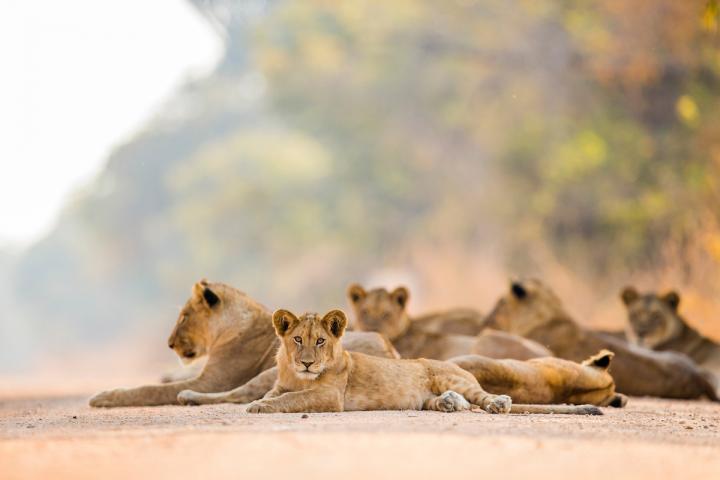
188	397
106	399
451	401
499	404
259	406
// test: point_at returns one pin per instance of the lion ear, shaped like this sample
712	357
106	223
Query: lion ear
335	321
400	295
203	292
672	298
197	289
518	289
282	321
600	360
355	293
629	295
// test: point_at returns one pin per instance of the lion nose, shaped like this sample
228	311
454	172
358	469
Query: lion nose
171	344
307	364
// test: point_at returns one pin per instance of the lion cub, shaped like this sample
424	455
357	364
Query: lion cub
315	374
655	322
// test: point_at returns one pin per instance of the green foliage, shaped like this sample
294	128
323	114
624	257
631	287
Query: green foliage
587	114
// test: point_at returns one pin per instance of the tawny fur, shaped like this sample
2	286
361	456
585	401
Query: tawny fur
235	334
436	335
532	310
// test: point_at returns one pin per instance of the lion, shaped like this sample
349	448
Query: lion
434	335
316	374
233	335
547	380
532	310
655	322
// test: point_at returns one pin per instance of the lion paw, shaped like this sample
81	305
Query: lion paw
499	404
451	401
258	406
188	397
106	399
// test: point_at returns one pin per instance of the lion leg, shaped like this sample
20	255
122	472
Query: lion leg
150	395
485	370
448	401
254	389
473	393
300	401
450	376
164	394
503	404
489	402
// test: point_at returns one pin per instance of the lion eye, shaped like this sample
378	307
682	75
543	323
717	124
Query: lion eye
320	341
298	340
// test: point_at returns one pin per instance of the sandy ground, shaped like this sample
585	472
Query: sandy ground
60	437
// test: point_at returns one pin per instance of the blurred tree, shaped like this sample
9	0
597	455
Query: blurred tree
590	112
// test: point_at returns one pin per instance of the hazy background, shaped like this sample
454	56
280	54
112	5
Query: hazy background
289	148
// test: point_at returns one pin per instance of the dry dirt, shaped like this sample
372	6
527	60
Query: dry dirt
60	437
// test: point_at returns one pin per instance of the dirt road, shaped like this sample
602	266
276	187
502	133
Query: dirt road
60	437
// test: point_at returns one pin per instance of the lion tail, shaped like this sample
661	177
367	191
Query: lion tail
556	409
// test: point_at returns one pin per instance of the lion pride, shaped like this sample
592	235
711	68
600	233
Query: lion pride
316	374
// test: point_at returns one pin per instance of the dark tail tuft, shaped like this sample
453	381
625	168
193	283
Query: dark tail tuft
589	410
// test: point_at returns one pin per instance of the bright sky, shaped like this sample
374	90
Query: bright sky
76	78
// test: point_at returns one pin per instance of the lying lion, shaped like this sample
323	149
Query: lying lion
547	380
654	322
434	335
532	310
235	334
316	374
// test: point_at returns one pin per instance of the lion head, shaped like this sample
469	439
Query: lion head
191	337
653	319
603	396
380	311
309	343
527	306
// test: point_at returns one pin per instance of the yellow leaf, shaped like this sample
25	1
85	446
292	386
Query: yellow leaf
687	109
